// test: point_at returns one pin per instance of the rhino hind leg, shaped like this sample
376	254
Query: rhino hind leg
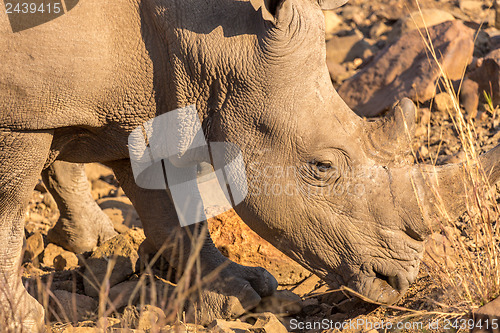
82	224
22	156
229	292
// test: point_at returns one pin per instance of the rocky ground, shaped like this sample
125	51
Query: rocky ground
376	56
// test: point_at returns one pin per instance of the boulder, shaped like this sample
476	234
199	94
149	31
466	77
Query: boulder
406	69
116	253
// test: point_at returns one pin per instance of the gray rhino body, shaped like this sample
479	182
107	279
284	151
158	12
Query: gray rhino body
74	88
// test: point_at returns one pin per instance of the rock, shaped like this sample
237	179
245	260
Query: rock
65	260
268	323
117	252
120	211
50	252
403	69
95	171
426	18
485	78
71	306
223	326
332	22
34	247
443	102
184	328
497	14
108	322
283	302
240	244
151	317
346	48
120	294
469	96
72	329
489	312
471	7
101	189
378	29
130	317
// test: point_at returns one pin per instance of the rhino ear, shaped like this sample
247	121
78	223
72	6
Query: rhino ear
331	4
268	8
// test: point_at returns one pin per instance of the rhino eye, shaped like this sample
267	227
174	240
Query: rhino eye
323	166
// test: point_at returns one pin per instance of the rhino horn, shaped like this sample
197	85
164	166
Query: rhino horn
444	190
389	138
331	4
269	8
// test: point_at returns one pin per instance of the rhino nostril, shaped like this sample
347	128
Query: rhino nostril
413	234
391	280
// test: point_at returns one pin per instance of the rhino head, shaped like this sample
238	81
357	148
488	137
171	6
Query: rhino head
335	192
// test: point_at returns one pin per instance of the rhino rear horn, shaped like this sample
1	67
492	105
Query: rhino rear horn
390	137
331	4
268	8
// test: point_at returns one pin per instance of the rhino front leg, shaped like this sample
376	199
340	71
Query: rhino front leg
22	156
82	224
235	289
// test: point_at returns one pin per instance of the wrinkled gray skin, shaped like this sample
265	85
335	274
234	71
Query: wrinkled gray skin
74	88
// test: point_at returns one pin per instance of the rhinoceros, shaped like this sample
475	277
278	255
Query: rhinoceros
335	192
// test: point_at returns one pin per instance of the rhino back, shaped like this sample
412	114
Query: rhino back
81	69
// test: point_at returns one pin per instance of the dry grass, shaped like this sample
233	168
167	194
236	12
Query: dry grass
150	289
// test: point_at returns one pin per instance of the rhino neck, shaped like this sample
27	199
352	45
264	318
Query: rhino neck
207	52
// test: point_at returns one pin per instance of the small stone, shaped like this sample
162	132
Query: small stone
119	253
108	322
378	29
223	326
420	131
268	323
443	102
34	247
65	260
50	252
71	306
424	115
283	301
151	317
423	152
